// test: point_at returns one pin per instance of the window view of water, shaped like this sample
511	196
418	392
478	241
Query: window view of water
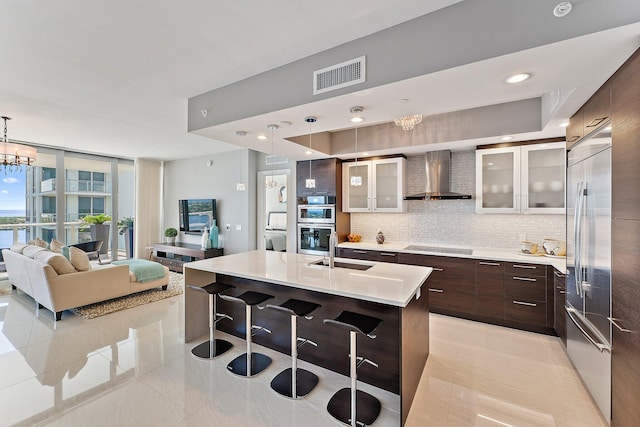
6	236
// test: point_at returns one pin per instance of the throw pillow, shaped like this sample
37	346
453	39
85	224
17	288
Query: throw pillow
56	246
18	247
59	263
31	250
65	252
41	243
79	259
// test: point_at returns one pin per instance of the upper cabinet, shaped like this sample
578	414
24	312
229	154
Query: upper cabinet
522	179
324	172
374	185
590	116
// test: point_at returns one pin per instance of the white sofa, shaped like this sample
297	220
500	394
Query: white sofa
59	292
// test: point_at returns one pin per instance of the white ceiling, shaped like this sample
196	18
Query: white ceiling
114	77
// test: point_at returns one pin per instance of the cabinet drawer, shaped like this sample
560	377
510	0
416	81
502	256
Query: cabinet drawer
529	312
388	257
524	269
529	288
449	298
358	254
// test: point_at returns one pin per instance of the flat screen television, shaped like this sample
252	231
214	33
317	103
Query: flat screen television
196	214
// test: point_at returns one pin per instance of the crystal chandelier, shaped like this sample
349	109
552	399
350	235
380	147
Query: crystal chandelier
13	156
270	183
408	122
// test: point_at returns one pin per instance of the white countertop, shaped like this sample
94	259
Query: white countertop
478	253
385	283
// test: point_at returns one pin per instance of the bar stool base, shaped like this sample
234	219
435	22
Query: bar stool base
259	363
367	407
305	382
203	350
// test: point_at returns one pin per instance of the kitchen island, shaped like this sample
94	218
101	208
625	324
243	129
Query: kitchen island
391	292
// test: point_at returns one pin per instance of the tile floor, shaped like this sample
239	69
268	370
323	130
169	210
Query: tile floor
132	369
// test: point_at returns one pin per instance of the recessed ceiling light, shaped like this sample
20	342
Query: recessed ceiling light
308	153
562	9
564	124
262	137
241	133
506	138
517	78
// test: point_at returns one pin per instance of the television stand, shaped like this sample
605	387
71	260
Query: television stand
175	255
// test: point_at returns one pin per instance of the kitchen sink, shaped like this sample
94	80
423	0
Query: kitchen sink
340	264
437	249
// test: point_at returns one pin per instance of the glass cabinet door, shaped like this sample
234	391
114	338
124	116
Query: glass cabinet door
543	177
388	191
498	180
356	187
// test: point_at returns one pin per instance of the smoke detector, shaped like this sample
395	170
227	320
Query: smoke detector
562	9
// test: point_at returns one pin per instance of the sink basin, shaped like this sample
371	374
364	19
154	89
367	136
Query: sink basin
341	264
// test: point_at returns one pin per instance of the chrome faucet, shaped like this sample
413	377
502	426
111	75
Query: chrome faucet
333	241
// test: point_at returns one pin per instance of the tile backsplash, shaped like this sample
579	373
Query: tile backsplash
455	222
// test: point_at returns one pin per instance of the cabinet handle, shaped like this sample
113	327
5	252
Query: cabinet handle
528	304
560	275
437	269
357	251
530	267
525	279
596	122
489	263
436	290
562	292
574	138
387	254
620	328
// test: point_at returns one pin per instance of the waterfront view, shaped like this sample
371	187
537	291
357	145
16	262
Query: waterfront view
11	217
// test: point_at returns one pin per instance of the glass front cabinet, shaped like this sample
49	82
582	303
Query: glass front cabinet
522	179
374	185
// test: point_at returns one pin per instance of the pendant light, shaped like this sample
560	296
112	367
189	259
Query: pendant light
356	180
310	182
14	156
271	184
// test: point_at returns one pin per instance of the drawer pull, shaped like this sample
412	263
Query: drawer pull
528	304
436	290
357	251
526	279
497	264
437	269
555	273
596	122
387	254
530	267
562	292
620	328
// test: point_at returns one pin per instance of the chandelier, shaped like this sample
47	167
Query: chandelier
408	122
14	156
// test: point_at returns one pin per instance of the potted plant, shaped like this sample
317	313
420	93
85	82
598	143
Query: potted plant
125	228
171	233
99	227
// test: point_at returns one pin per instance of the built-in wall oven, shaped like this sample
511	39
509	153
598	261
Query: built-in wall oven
316	222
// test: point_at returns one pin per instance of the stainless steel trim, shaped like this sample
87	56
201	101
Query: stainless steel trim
436	290
488	263
620	328
572	312
437	269
387	254
358	251
530	267
526	279
528	304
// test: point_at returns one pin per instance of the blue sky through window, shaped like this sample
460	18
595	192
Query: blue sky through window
12	190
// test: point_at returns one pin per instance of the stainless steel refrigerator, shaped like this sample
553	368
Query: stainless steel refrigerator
588	303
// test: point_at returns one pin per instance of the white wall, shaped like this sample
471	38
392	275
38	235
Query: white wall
443	222
193	179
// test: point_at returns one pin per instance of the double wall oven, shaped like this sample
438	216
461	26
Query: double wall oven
316	222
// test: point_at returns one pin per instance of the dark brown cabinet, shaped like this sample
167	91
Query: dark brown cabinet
452	285
560	318
597	109
490	288
174	256
525	293
379	256
575	130
625	156
326	172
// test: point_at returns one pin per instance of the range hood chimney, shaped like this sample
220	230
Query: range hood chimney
438	168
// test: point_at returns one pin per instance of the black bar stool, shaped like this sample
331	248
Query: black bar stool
349	405
249	364
214	347
302	382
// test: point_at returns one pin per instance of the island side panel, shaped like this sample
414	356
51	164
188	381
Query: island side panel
196	304
414	330
333	343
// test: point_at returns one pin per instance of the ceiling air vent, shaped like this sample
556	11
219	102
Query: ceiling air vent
340	75
275	160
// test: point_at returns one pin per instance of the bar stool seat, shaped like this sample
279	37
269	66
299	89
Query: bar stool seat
214	347
351	406
249	364
302	382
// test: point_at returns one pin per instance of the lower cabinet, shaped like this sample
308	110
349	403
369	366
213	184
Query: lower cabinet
490	288
525	294
379	256
560	318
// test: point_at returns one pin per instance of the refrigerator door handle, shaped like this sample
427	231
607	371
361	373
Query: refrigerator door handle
577	216
571	312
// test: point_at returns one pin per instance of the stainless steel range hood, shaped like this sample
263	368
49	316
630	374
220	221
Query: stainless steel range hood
438	168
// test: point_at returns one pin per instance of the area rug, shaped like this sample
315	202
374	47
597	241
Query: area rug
91	311
5	291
